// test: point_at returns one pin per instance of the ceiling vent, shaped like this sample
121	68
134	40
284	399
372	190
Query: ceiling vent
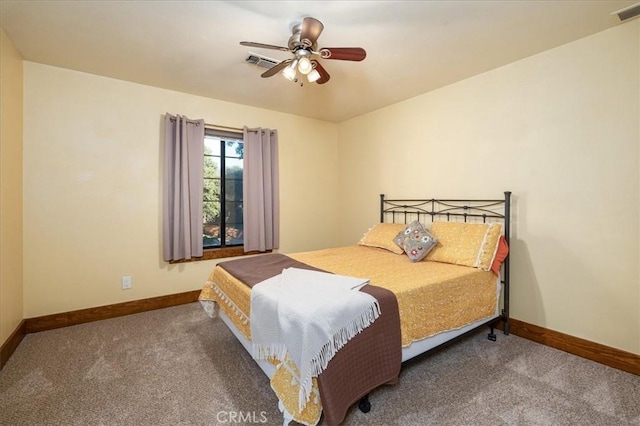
261	61
628	12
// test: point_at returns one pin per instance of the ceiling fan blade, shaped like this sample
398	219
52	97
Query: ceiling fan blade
324	75
311	29
276	68
343	53
264	46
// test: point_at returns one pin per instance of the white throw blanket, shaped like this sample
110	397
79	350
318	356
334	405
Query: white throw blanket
309	315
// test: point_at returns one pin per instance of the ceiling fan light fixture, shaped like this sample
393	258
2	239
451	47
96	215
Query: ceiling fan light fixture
304	65
313	76
290	71
304	47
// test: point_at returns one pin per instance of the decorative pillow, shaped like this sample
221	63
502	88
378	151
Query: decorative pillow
381	236
468	244
501	255
416	241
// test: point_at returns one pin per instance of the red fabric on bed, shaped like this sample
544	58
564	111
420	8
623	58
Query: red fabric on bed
501	255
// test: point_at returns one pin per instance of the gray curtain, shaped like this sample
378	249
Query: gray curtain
261	200
182	187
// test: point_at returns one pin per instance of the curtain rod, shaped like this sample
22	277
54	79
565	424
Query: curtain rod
212	126
218	127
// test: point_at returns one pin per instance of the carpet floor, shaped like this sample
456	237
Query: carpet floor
176	366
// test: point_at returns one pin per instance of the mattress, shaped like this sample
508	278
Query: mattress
433	297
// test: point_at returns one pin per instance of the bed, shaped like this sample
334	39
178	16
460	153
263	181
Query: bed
427	299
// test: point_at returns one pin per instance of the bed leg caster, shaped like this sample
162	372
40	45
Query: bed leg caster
491	335
364	405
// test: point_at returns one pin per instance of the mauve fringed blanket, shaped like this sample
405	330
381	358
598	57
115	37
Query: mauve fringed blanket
370	359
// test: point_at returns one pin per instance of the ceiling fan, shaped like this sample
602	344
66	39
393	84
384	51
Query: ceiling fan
303	44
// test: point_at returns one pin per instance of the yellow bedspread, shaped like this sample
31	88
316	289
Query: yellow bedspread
432	297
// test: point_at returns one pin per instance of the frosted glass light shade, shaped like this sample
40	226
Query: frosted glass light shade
304	66
290	71
313	76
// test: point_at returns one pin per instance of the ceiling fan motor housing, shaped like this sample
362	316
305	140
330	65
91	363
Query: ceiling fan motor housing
295	43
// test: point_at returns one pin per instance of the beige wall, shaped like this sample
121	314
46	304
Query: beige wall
92	187
560	130
11	295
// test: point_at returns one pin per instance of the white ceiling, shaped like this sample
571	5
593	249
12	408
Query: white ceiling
193	46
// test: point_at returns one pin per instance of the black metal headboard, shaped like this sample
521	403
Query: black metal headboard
408	210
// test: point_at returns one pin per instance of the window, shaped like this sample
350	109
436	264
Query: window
222	202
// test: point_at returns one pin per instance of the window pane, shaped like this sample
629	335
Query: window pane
211	167
212	145
233	189
211	235
234	222
211	201
234	149
222	218
233	167
233	152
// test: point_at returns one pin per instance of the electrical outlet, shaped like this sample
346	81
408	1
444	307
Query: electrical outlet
127	282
